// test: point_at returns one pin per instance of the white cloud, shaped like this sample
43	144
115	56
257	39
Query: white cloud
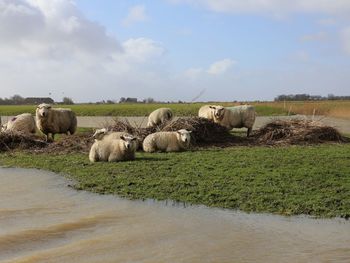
327	22
136	14
220	67
320	36
51	46
273	7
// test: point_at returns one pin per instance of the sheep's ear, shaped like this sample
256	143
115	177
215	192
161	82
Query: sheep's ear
212	107
133	139
122	138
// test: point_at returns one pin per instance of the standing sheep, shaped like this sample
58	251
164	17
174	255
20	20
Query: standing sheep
167	141
112	150
159	116
235	117
22	123
53	121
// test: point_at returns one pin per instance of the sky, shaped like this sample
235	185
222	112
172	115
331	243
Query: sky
170	50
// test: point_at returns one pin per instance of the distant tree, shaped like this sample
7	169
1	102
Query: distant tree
122	99
110	102
67	101
17	99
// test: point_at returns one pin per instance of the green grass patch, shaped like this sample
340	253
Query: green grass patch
133	109
312	180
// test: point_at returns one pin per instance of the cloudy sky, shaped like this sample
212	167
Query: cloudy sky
92	50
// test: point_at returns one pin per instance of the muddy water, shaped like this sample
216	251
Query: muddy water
43	220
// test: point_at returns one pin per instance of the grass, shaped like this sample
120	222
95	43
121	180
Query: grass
312	180
132	109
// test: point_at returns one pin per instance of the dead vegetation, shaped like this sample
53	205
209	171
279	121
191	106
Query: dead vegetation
204	134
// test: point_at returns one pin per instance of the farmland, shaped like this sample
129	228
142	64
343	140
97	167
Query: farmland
339	109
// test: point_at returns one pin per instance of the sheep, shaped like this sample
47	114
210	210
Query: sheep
167	141
235	117
24	123
113	150
159	116
207	112
53	121
105	133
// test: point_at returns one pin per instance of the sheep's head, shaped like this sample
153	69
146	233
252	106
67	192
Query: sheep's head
129	142
184	136
98	135
218	111
43	110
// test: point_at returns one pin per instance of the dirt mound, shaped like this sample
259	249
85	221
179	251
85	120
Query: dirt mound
296	132
17	140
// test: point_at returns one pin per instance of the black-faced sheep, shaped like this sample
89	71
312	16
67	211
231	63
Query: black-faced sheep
55	120
167	141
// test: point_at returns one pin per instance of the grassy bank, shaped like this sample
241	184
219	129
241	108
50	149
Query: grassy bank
133	109
313	180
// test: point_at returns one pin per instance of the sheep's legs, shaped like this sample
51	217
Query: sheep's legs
249	130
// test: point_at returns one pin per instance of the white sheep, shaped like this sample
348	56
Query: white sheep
22	123
207	112
55	120
167	141
112	150
235	117
105	133
159	116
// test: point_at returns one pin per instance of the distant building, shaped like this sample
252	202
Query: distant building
33	100
133	100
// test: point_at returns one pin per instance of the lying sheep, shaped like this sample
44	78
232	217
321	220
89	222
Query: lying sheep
159	116
53	121
167	141
22	123
105	133
112	150
234	117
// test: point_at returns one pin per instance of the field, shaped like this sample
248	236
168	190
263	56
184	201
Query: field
339	109
311	180
135	109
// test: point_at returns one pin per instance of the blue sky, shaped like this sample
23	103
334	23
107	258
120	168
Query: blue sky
173	49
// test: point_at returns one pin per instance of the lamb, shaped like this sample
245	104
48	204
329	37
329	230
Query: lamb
167	141
235	117
24	123
113	150
159	116
53	121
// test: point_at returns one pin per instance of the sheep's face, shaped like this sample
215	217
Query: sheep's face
218	111
185	136
129	142
43	110
98	135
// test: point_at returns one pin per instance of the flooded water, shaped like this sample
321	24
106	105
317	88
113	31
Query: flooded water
43	220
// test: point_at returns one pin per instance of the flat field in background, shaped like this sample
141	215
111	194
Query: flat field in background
339	109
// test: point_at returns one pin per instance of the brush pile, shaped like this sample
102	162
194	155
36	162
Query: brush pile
296	132
22	141
205	133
